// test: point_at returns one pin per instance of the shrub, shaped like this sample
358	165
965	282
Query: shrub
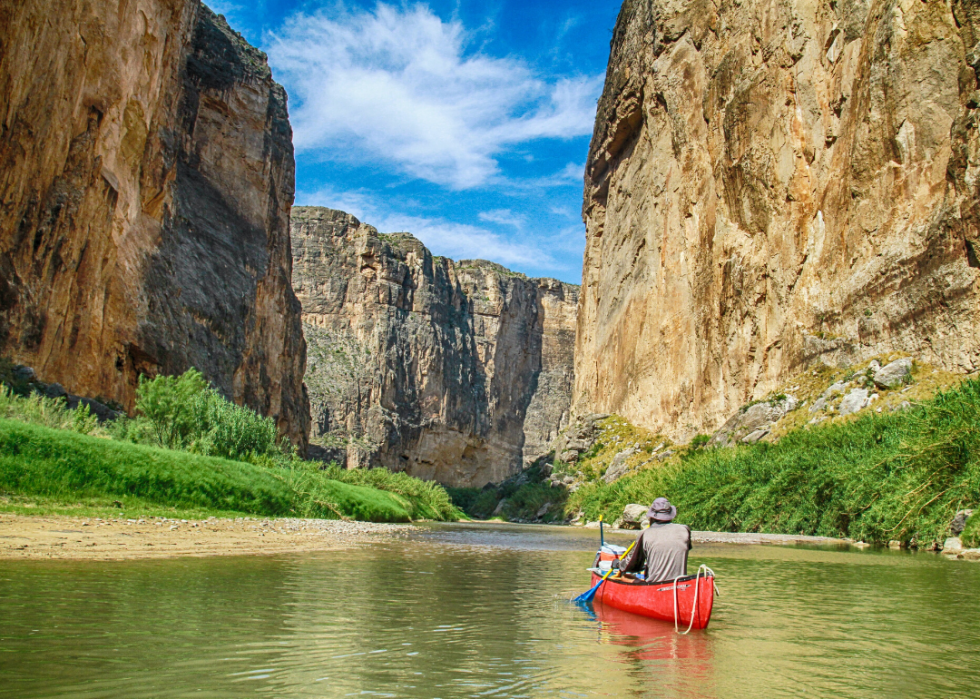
184	412
48	412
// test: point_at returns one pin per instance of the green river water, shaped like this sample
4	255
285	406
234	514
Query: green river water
481	611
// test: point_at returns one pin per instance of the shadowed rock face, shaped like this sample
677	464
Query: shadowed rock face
452	371
770	185
147	175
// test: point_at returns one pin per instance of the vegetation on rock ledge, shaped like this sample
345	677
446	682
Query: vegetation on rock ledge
882	477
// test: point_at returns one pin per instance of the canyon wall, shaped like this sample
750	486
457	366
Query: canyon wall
772	184
146	176
459	372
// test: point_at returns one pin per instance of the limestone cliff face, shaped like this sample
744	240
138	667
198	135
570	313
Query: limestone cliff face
146	176
452	371
773	184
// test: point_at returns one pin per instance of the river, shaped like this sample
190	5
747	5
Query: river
481	611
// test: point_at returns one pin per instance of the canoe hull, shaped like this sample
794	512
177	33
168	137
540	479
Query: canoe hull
656	600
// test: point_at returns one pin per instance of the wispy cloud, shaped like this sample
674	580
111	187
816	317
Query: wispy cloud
461	241
399	85
504	217
443	237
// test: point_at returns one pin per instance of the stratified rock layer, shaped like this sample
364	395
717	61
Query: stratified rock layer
458	372
773	184
146	176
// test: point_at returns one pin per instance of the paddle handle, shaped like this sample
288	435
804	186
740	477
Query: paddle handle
602	538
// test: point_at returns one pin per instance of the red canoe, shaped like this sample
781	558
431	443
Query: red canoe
695	595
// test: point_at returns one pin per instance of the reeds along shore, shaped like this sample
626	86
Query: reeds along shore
883	477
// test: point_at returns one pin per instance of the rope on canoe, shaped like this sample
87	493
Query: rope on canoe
697	581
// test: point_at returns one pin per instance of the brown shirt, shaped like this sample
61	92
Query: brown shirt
661	550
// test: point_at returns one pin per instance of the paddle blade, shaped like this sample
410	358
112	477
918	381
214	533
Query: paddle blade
589	594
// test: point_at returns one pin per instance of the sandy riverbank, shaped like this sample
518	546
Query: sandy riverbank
78	538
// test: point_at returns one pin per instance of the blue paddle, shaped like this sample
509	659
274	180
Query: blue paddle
589	594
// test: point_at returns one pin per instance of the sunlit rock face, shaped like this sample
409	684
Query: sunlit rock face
146	179
771	185
459	372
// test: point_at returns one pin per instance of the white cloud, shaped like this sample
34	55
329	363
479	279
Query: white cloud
399	85
462	241
458	241
504	217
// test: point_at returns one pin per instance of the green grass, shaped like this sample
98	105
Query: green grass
44	469
899	476
524	496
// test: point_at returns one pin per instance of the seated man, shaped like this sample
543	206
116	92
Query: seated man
662	549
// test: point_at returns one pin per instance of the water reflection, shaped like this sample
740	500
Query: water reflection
471	611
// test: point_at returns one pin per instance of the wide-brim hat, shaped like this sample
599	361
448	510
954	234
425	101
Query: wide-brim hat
661	510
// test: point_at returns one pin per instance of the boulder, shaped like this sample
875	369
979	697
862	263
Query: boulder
755	436
543	510
952	545
618	467
819	404
855	400
894	374
499	508
100	410
55	390
958	524
755	418
24	373
633	515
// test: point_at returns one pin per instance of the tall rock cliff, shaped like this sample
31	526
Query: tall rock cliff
458	372
146	179
772	184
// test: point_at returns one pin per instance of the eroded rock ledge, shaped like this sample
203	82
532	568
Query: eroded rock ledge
459	372
772	185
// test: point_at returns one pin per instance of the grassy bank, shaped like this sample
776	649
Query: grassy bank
51	466
895	476
188	451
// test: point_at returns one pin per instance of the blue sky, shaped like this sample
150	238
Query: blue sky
466	124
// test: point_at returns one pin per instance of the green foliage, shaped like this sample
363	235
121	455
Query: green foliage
700	440
427	499
63	466
476	502
524	495
48	412
971	535
899	476
167	402
183	417
184	412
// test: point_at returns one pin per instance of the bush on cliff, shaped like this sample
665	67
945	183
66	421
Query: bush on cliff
899	476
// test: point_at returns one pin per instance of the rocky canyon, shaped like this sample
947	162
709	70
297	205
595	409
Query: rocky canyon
772	185
146	180
459	372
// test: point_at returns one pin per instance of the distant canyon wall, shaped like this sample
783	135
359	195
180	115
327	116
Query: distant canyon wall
146	175
772	184
459	372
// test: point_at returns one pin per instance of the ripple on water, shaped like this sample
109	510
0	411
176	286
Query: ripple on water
478	611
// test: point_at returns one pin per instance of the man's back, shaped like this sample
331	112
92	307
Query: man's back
666	547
